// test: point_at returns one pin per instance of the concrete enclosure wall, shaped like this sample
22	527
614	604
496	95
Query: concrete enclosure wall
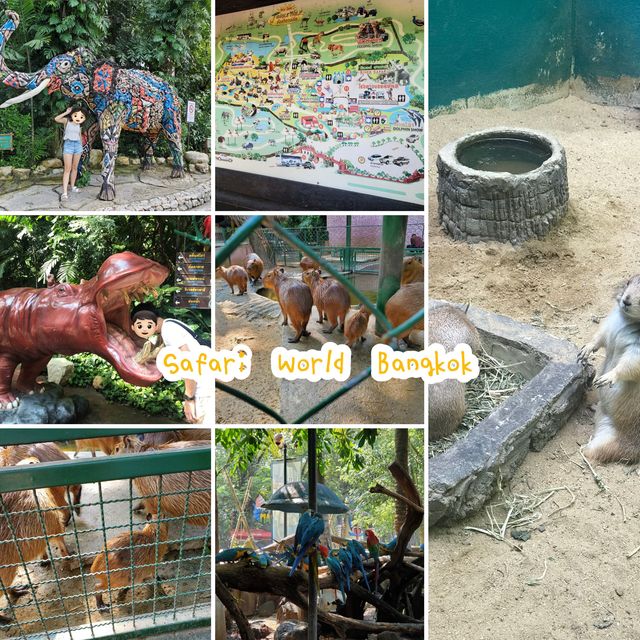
484	47
607	50
366	231
529	49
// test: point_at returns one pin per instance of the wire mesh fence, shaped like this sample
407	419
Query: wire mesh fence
349	251
291	239
81	560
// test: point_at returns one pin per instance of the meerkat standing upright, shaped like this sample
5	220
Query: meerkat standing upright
617	429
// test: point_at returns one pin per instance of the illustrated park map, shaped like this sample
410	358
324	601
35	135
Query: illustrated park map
324	93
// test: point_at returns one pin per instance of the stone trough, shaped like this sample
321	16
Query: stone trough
464	477
502	184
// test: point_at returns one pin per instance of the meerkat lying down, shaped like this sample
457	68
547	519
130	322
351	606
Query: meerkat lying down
617	429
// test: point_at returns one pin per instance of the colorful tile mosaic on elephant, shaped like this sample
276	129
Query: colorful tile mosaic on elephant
120	99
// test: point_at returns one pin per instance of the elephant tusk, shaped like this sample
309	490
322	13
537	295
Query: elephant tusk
27	94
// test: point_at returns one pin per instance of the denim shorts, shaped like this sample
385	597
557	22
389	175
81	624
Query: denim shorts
72	146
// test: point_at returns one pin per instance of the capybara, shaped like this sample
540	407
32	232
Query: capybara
254	267
195	434
93	444
403	304
308	263
412	271
234	275
356	326
294	298
330	297
20	509
174	505
44	452
448	326
143	441
119	558
617	421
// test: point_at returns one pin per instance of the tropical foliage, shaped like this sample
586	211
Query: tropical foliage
71	248
170	38
350	461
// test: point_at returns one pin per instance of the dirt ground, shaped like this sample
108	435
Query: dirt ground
574	578
256	322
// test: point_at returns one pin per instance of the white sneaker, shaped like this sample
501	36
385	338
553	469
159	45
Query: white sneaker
64	196
75	189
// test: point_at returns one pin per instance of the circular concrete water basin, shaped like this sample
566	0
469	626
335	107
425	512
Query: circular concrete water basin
501	184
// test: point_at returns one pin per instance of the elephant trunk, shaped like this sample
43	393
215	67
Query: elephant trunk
17	79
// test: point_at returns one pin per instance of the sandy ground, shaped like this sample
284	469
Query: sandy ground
256	321
573	579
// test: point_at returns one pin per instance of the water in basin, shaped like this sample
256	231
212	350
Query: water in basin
513	155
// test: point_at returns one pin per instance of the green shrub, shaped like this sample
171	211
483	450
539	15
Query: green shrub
27	152
163	398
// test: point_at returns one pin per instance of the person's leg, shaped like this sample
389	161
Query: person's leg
74	168
68	162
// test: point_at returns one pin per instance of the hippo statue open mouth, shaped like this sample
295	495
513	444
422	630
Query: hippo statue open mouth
66	319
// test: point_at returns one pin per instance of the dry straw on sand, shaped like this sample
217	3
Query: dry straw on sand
496	382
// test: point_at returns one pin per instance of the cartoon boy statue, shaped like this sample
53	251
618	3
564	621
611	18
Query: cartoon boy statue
147	324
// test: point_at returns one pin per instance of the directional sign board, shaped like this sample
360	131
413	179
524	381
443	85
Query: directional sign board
193	276
6	141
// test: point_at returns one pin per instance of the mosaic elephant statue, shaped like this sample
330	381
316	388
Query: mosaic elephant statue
120	99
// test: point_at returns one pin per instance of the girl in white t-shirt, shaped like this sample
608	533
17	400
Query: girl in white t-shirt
72	119
146	323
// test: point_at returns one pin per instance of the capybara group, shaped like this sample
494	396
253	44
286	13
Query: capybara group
330	297
234	276
254	267
294	298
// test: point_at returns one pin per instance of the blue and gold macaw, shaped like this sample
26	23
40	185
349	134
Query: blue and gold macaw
390	546
355	549
262	560
233	554
347	564
336	569
310	528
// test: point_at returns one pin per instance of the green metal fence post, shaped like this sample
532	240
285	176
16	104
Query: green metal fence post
312	628
394	231
348	257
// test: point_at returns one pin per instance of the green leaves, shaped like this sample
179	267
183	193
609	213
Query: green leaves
163	398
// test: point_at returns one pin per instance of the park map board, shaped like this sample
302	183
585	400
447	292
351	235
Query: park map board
324	93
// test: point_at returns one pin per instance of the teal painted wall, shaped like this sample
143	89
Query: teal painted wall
477	48
607	40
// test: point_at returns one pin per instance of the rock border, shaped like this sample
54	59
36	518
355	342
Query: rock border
465	476
179	201
478	206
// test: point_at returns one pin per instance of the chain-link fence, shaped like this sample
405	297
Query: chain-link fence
115	573
291	239
349	249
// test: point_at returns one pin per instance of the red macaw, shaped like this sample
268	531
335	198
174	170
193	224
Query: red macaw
373	546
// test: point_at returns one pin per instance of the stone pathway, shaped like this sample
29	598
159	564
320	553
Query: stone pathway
151	190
